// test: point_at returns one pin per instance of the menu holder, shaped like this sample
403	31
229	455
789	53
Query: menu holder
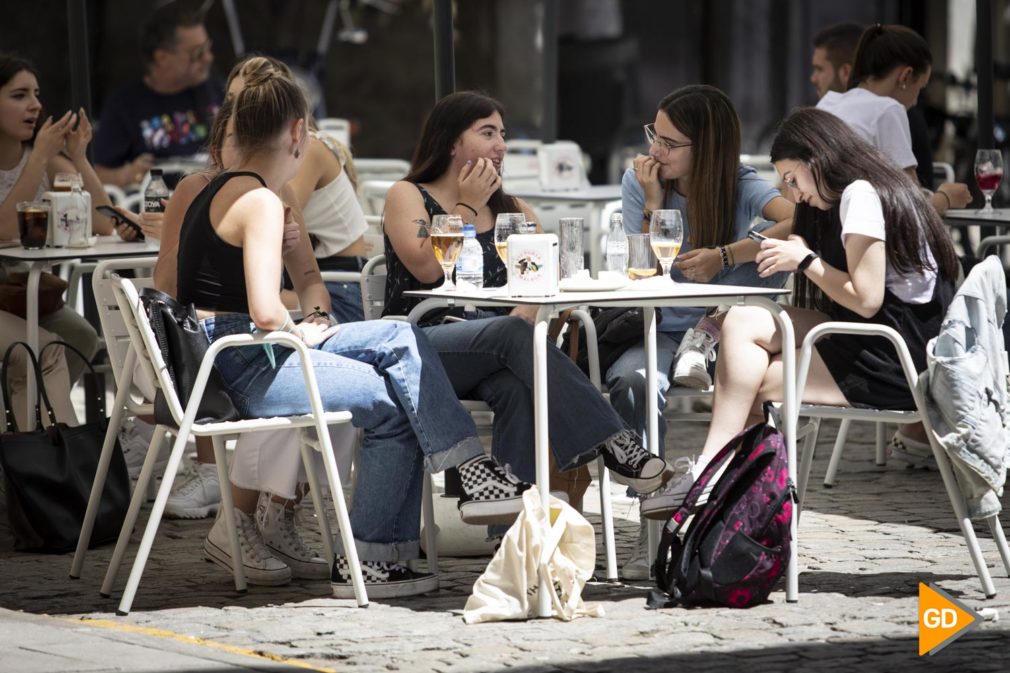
532	265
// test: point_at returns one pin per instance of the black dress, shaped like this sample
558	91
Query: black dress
399	279
867	369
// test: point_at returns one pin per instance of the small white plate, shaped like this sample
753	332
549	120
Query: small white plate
588	284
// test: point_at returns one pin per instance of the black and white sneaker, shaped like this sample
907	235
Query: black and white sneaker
383	579
490	494
632	465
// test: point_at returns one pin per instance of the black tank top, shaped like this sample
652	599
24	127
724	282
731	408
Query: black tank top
399	279
211	273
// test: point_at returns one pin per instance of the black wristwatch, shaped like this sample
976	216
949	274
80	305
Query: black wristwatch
807	261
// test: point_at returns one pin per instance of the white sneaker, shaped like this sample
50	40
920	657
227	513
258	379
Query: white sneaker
664	502
260	565
197	496
639	564
277	526
696	350
134	439
912	451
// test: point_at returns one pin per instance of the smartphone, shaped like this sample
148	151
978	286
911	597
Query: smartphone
756	236
109	211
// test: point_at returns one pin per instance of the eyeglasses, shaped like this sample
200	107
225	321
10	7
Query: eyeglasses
198	52
668	146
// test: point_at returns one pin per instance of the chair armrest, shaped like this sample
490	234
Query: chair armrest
341	276
866	329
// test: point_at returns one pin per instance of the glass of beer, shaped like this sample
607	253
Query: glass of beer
64	182
666	231
33	224
447	242
641	258
505	225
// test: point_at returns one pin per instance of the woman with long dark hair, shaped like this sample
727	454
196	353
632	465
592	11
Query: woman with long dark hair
868	247
456	168
693	166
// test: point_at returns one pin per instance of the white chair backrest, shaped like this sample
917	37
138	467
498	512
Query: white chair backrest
117	336
381	169
942	172
337	128
373	287
145	343
521	167
372	195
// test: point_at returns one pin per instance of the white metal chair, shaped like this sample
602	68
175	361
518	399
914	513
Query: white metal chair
818	412
143	347
943	172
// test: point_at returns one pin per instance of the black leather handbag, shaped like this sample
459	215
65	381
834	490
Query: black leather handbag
49	473
183	345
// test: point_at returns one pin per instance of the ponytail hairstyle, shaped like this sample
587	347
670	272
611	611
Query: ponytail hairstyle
268	102
707	117
260	65
837	157
881	49
446	122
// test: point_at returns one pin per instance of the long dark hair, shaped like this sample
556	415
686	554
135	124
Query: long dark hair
881	49
446	122
837	157
707	117
11	65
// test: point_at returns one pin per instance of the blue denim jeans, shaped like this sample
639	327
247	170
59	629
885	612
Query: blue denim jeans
345	302
491	359
388	376
626	381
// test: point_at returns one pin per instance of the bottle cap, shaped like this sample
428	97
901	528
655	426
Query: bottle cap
156	172
469	230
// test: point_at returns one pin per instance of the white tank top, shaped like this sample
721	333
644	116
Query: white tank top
334	216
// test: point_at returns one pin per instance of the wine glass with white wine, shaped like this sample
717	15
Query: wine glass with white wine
505	225
666	235
447	242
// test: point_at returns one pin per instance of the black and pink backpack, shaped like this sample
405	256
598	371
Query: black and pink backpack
737	545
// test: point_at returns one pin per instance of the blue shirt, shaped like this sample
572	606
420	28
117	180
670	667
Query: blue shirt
752	195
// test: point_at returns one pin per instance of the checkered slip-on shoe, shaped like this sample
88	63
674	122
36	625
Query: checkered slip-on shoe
632	465
490	494
912	452
383	579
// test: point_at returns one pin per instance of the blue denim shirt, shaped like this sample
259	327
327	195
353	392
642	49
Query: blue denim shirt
753	194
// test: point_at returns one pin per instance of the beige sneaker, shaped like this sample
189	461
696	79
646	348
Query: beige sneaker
277	526
259	564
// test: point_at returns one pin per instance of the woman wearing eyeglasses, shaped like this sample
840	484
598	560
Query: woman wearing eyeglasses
693	165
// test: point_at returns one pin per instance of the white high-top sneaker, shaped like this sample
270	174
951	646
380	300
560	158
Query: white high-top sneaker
260	565
639	564
277	526
198	496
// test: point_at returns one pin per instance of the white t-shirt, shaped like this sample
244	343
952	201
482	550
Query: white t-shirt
879	120
861	213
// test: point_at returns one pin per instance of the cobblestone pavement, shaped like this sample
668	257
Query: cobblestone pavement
865	546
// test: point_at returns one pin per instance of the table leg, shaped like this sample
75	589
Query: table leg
540	427
652	409
790	414
32	334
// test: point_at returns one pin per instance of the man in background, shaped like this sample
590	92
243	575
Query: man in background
168	112
834	49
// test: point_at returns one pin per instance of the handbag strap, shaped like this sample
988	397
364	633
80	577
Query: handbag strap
79	354
11	423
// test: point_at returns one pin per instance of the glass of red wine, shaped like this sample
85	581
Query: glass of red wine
988	174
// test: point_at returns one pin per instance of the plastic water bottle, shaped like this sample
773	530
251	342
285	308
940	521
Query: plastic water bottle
79	218
617	245
470	263
155	192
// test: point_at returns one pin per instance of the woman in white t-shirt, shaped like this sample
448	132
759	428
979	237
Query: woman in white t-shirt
867	248
891	66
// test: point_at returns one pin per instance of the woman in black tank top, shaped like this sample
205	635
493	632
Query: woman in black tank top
456	169
385	373
868	248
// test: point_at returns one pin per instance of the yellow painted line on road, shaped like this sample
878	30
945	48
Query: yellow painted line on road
192	640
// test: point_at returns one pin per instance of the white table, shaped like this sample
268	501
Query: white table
972	217
674	295
106	247
592	201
